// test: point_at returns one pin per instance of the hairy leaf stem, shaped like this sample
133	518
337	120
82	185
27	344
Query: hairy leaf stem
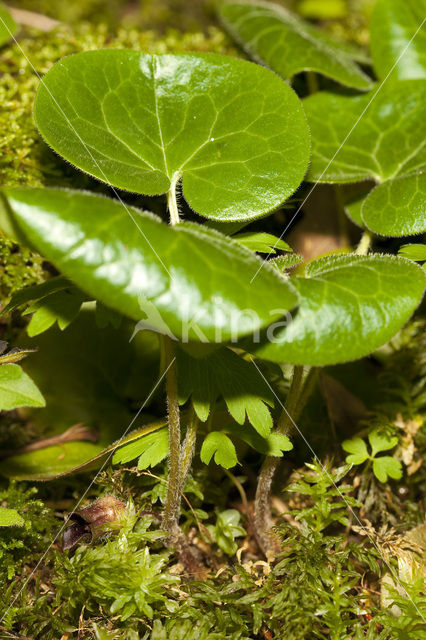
170	520
172	201
364	243
188	446
291	410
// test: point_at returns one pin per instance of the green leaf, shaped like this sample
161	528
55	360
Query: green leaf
358	450
71	457
349	306
381	442
61	307
274	445
221	446
378	135
36	292
224	373
17	389
233	131
287	261
8	26
151	450
10	517
261	242
271	34
92	376
385	466
187	280
398	45
323	9
416	252
397	207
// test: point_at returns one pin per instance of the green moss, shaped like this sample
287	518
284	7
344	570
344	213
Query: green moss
19	267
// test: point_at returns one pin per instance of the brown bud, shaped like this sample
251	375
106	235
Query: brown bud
90	523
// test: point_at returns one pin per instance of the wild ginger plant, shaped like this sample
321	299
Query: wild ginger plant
231	138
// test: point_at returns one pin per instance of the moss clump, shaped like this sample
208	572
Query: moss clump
19	267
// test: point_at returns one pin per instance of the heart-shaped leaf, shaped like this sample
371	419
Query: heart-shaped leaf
275	36
377	135
233	131
17	389
398	43
397	207
8	27
349	306
185	280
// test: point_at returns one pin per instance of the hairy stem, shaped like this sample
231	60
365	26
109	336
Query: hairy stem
188	447
170	521
364	244
262	509
172	201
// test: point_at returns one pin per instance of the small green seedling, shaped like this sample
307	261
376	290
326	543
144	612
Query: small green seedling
226	529
383	466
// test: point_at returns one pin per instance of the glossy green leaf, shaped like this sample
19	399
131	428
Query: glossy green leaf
219	445
8	26
17	389
233	131
416	252
261	242
273	35
10	518
377	135
398	41
397	207
349	306
186	280
237	381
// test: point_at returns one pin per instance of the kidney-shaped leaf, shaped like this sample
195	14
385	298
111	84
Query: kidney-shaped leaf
349	306
186	281
398	42
397	207
379	135
8	26
233	131
288	45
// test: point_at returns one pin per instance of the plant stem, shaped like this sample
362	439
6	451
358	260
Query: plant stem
172	201
262	509
188	447
170	521
312	82
364	244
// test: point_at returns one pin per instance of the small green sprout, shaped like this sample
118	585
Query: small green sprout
383	466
